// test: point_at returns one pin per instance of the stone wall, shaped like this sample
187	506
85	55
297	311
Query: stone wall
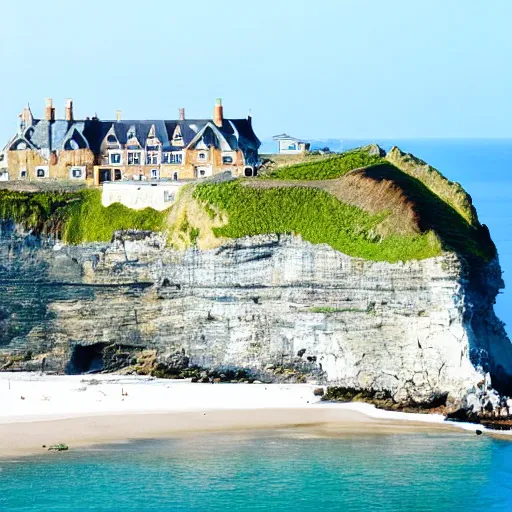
59	165
275	305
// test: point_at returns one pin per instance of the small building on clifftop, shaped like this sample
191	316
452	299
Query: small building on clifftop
98	151
287	145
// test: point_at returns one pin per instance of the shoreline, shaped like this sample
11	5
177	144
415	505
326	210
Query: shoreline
89	410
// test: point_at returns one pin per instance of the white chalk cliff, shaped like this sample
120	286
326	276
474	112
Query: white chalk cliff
280	307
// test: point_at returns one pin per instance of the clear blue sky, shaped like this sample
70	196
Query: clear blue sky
332	68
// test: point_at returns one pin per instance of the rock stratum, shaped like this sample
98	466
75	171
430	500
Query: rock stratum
272	307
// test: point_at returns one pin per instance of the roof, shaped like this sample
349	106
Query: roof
285	136
42	134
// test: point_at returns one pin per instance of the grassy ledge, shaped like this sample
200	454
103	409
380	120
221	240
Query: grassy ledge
314	214
328	168
76	217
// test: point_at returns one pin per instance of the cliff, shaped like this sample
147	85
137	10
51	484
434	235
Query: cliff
273	307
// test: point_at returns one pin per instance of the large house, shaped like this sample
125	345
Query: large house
98	151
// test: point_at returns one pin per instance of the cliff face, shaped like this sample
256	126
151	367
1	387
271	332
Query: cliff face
277	306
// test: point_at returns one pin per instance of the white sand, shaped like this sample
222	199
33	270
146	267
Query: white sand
38	410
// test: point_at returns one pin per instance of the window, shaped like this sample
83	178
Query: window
202	172
115	158
73	144
4	175
202	156
117	174
77	173
111	139
292	147
175	176
2	156
227	159
23	174
248	171
42	172
172	158
133	157
152	158
155	174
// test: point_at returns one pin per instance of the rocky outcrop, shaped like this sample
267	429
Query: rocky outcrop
275	306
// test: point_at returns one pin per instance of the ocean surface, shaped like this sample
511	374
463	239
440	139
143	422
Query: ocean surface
268	471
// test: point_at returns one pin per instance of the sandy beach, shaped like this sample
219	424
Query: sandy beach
85	410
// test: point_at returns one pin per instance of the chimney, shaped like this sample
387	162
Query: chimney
118	115
49	110
218	112
249	118
27	118
69	110
182	114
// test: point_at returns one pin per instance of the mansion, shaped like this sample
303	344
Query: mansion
99	151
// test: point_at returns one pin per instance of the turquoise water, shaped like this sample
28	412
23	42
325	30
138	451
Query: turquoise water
282	471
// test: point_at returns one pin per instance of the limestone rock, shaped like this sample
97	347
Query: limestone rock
275	306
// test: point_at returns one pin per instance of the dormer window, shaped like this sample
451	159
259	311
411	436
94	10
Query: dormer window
111	139
115	158
177	137
227	159
131	133
202	156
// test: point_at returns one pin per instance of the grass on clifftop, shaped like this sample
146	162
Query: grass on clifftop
314	214
360	214
77	216
87	220
327	168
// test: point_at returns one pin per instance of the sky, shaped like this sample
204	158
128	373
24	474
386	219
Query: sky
330	69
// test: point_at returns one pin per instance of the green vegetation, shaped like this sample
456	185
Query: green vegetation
87	220
77	216
327	168
449	191
454	231
440	219
329	309
314	214
58	447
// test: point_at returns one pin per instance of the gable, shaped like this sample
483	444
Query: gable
75	141
210	136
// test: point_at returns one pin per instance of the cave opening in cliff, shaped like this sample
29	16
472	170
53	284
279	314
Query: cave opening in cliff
86	358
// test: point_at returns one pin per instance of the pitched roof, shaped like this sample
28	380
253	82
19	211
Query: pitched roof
43	134
285	136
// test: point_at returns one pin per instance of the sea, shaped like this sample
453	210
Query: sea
298	469
285	471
